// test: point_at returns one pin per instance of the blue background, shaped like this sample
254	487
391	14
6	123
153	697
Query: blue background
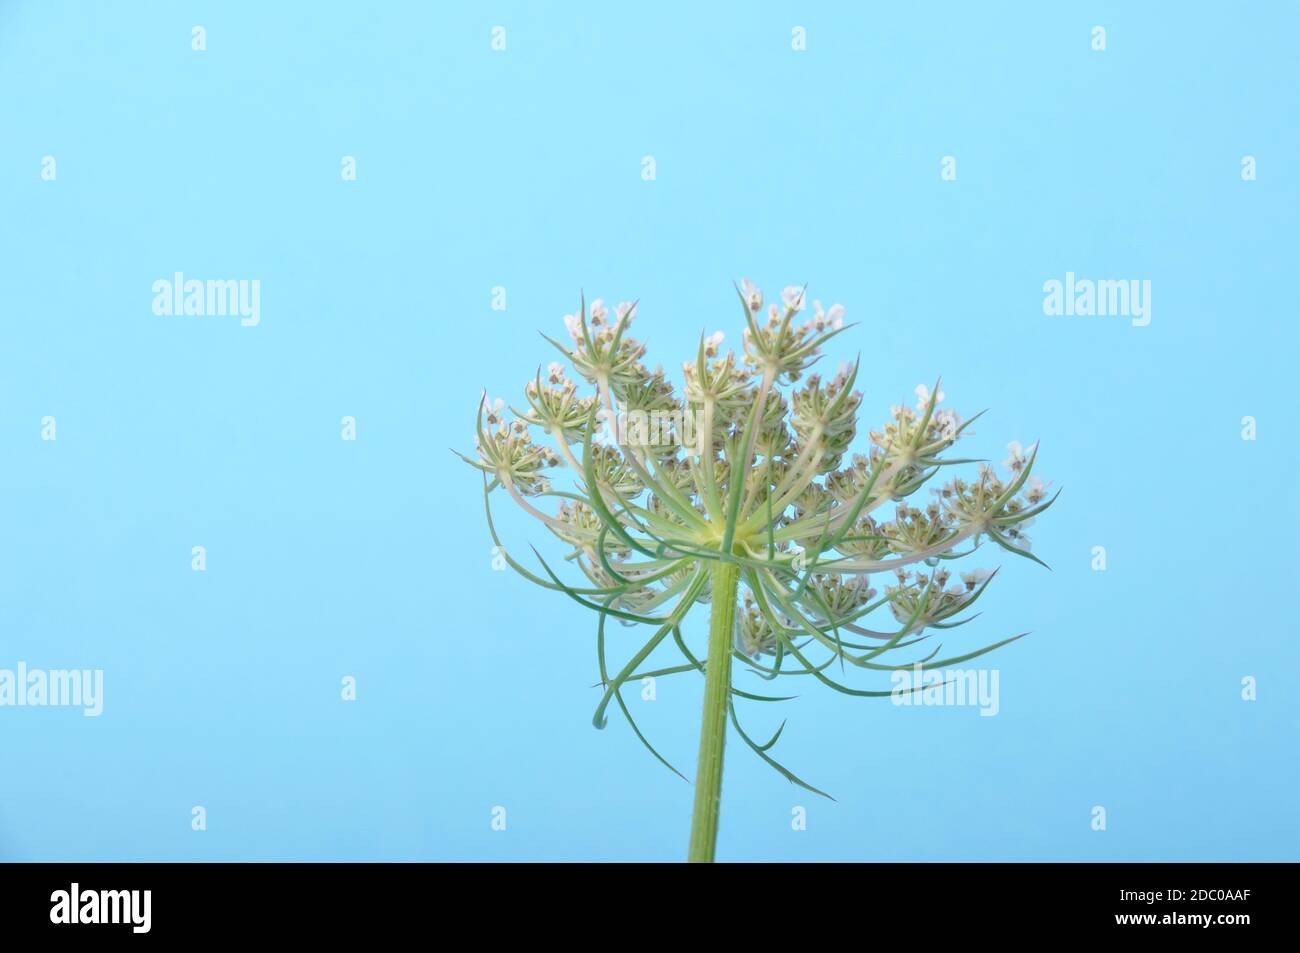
522	169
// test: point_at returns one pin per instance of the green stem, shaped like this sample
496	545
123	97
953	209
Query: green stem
713	725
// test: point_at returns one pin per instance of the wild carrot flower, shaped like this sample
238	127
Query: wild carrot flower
742	491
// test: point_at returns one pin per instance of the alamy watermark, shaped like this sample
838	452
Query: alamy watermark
219	297
24	687
649	428
1103	297
76	905
920	686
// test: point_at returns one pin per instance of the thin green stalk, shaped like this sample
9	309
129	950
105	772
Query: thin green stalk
713	726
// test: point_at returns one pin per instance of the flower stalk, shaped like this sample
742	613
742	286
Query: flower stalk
713	724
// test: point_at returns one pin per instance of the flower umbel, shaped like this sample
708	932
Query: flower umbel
766	514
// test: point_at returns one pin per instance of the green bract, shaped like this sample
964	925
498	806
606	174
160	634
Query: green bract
734	491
